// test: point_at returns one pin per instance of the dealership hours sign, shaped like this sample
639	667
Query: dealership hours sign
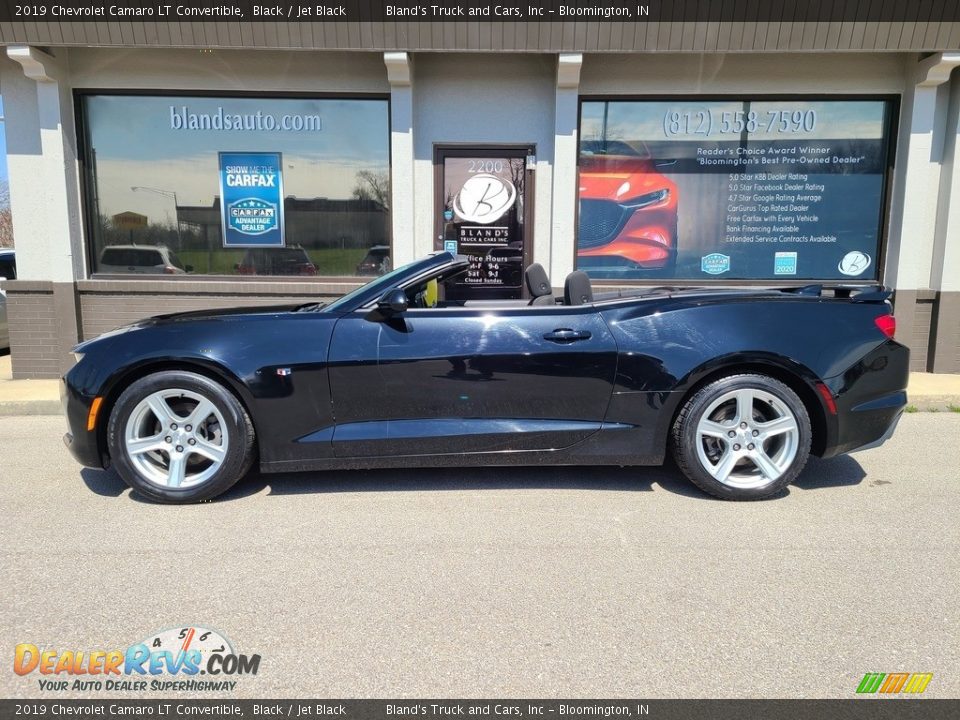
251	199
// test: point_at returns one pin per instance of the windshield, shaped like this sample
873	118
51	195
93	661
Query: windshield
375	287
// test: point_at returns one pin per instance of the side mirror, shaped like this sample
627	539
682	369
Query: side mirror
393	302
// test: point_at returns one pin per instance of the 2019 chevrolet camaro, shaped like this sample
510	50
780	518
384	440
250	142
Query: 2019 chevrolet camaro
741	385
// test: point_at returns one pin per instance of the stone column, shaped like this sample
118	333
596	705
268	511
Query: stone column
401	156
45	204
913	226
945	279
563	236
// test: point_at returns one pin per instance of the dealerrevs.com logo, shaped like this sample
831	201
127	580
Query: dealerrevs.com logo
191	658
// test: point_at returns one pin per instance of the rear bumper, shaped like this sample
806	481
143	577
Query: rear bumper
883	438
870	397
81	443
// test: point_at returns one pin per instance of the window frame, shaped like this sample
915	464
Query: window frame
87	189
893	100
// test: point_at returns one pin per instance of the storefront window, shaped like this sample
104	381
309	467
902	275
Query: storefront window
237	185
741	189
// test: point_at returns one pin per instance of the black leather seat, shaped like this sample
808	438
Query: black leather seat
577	289
538	283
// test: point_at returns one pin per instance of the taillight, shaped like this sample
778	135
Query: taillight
308	269
827	398
169	270
887	324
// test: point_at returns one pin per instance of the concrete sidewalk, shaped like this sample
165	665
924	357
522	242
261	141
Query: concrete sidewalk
927	391
27	397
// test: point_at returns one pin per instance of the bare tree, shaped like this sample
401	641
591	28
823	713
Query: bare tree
518	172
6	219
373	185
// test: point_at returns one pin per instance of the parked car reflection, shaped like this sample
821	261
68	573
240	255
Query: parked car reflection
8	271
276	261
376	261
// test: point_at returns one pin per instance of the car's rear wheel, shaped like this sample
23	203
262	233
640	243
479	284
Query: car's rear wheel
180	437
742	437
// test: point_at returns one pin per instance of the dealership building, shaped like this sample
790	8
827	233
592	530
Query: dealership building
164	167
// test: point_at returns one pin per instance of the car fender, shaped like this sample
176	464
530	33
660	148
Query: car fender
114	385
800	378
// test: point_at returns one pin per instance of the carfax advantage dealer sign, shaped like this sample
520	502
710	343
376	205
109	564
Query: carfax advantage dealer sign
251	199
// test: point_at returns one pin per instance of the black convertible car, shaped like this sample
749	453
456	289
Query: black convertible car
740	384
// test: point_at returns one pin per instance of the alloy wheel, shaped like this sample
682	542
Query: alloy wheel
176	438
747	438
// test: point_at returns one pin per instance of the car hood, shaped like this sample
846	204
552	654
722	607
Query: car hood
215	313
191	316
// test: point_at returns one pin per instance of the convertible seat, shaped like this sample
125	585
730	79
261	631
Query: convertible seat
538	283
577	289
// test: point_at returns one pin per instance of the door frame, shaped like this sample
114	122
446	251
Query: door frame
441	151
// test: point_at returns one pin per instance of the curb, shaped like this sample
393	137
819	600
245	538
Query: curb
934	403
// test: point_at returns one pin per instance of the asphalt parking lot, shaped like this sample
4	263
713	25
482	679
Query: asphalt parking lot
538	582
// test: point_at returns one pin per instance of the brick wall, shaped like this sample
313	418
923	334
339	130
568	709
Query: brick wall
40	339
34	346
946	333
102	312
928	322
108	304
920	341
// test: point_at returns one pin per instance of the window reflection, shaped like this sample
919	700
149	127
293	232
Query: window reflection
153	183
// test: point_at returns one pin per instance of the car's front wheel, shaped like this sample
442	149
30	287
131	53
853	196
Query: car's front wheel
742	437
179	437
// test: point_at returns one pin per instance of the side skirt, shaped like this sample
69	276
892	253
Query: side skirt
606	447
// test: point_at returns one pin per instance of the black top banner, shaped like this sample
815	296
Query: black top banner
919	11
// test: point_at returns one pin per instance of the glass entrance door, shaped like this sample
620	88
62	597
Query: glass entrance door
483	211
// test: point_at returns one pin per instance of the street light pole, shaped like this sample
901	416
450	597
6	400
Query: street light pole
170	194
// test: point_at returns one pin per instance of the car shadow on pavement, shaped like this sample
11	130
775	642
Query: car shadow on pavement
819	474
842	471
103	482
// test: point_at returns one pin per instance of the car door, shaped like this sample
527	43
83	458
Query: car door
469	380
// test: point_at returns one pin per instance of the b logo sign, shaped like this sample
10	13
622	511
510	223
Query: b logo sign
854	263
484	199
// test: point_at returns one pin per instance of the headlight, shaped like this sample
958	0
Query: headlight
642	201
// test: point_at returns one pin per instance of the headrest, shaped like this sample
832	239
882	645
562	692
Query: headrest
537	281
577	289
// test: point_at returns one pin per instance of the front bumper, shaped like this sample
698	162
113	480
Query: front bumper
83	444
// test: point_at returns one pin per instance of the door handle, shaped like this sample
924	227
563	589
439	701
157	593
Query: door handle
566	335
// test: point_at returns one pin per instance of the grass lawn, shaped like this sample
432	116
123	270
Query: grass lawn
223	261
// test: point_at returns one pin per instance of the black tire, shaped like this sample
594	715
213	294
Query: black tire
239	451
685	437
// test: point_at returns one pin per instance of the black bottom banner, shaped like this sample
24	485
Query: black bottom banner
872	709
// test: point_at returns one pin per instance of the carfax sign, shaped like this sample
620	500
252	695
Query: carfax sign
251	199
